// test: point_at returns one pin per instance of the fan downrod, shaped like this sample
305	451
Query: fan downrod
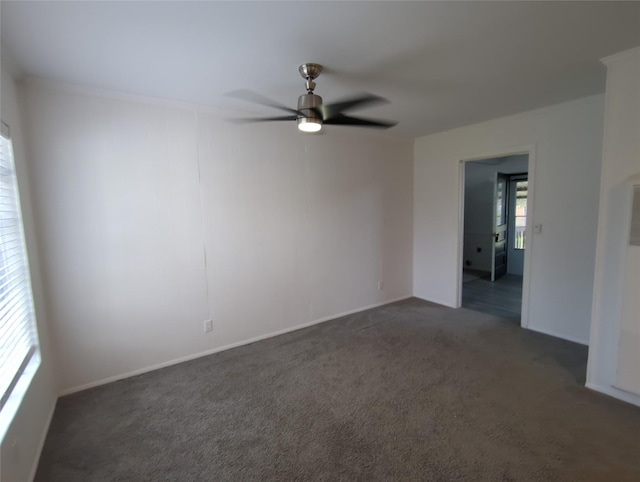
310	72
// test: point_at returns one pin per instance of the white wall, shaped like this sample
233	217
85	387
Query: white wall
479	185
155	217
614	354
478	215
23	439
567	140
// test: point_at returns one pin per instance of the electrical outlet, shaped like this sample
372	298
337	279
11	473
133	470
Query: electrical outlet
380	285
208	326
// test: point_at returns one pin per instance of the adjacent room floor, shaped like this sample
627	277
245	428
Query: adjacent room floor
408	391
501	298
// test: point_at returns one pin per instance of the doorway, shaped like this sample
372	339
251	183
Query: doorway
494	235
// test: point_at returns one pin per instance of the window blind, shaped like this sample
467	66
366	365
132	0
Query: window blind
17	320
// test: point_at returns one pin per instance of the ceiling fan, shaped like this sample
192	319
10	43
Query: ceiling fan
311	113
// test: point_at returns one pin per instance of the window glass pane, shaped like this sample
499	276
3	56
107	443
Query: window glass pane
500	207
520	214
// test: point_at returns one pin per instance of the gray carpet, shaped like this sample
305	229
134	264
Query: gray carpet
409	391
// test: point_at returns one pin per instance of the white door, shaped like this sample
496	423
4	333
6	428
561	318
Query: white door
499	255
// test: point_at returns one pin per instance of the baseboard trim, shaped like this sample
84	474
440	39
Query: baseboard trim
557	335
175	361
43	438
440	303
615	393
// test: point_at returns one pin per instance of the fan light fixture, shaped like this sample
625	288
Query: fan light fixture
309	124
309	117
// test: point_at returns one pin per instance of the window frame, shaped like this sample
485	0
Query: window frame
17	378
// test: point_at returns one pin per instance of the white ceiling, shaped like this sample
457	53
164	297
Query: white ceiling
441	64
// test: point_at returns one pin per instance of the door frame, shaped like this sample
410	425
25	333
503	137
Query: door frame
530	150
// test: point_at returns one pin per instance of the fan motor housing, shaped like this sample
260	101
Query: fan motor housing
307	104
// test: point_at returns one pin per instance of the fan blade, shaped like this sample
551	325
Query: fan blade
331	110
250	96
357	121
264	119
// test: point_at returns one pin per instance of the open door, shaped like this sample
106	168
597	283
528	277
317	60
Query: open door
499	257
